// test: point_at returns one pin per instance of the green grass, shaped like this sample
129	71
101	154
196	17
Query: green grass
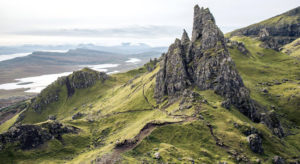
117	110
6	125
269	66
277	21
179	143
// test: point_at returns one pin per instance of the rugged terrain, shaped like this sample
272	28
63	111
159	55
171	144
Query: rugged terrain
275	32
208	99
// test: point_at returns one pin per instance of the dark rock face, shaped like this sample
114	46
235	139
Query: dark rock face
32	136
275	32
78	80
203	62
173	75
29	136
85	79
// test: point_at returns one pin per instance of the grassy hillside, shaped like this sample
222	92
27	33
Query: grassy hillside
122	121
273	71
288	18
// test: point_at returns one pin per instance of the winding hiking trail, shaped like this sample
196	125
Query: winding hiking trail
130	144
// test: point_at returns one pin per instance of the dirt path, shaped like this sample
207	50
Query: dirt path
130	144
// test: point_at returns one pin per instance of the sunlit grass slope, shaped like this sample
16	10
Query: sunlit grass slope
117	109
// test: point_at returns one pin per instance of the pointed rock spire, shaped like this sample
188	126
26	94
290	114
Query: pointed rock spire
185	38
205	28
201	17
205	63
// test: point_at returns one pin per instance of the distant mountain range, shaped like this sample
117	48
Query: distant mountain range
125	48
43	62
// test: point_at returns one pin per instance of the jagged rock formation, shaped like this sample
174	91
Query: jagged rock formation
275	32
203	62
32	136
79	79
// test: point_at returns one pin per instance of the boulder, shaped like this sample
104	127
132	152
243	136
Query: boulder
157	155
255	143
51	117
32	136
278	160
77	116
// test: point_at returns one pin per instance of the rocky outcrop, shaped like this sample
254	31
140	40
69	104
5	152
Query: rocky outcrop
270	119
275	32
172	77
77	116
32	136
83	79
239	45
278	160
203	62
254	137
255	143
77	80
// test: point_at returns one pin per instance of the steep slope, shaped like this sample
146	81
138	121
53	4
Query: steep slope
274	32
185	109
273	77
292	49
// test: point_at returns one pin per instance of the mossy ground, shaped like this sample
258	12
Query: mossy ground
121	106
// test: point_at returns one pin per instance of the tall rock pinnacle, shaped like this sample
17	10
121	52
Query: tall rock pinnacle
205	63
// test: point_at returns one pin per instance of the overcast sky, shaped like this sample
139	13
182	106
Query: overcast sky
155	22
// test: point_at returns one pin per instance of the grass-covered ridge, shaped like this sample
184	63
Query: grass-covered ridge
291	17
276	72
116	110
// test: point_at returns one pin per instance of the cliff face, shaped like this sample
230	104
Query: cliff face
275	32
204	62
79	79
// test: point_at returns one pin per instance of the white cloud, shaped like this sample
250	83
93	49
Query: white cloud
34	15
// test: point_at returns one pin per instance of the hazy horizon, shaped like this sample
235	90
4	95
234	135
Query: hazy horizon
156	23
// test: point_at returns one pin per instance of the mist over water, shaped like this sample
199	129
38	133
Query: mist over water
36	84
